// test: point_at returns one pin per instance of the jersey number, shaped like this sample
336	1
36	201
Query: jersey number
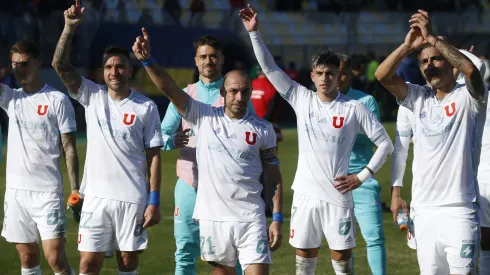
207	240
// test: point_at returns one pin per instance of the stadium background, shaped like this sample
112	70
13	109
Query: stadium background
292	29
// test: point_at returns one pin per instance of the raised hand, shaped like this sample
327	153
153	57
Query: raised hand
74	14
141	47
414	39
249	18
421	21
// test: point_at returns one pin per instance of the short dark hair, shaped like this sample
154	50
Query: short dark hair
209	41
324	59
117	51
26	47
344	58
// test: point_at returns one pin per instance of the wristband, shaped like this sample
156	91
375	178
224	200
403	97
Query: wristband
154	198
364	175
277	217
150	61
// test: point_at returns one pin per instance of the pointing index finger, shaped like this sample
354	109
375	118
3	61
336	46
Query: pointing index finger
145	34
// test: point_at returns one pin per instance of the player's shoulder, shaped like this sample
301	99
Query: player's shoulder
348	101
359	95
142	100
53	92
258	123
420	90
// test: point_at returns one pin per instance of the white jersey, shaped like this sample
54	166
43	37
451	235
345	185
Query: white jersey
404	134
326	134
118	133
34	141
448	135
484	167
228	154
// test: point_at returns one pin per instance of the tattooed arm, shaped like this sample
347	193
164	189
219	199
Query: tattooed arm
473	79
61	59
68	142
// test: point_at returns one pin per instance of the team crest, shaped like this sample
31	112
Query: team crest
450	109
250	140
42	110
338	121
129	119
344	227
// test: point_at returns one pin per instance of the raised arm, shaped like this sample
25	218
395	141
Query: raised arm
61	59
386	72
458	60
162	80
277	77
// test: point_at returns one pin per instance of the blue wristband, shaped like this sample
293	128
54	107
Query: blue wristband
154	198
150	61
277	217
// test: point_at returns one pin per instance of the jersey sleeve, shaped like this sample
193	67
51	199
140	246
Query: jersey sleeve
476	105
290	90
6	94
270	139
66	116
170	125
375	131
403	136
414	92
196	111
152	133
87	90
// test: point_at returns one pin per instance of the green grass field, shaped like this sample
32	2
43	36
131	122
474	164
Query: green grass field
159	257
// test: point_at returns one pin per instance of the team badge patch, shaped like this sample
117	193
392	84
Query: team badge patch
42	110
338	121
128	119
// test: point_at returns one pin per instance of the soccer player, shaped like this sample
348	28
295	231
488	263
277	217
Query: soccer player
233	148
42	122
448	123
123	141
209	60
367	200
328	123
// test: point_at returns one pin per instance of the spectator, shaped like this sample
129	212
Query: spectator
172	8
358	63
372	65
197	9
410	72
292	72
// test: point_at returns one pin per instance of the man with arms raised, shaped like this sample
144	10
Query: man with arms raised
123	140
34	196
233	148
447	126
328	123
209	60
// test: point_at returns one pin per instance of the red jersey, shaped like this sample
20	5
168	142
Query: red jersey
262	94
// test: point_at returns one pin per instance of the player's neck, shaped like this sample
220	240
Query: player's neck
328	97
32	87
119	95
231	115
442	92
344	91
207	80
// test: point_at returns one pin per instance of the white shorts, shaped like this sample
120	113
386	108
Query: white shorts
29	215
105	222
448	239
484	204
311	219
225	242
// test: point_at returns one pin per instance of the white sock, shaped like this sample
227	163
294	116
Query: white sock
305	266
31	271
69	272
342	267
484	262
135	272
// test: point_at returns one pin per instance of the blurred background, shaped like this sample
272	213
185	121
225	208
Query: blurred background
293	30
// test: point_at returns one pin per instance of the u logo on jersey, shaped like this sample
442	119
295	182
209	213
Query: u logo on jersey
129	121
248	140
338	121
42	109
450	109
